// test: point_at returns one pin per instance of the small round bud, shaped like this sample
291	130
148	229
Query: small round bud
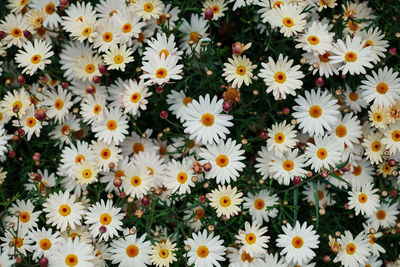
130	199
37	177
2	35
210	228
21	80
393	51
326	258
96	79
110	196
303	61
122	194
27	34
102	229
187	247
384	193
208	13
324	173
284	221
263	134
286	111
393	193
132	231
102	68
159	90
195	179
202	199
11	154
319	81
36	156
197	167
209	72
21	132
297	180
64	85
145	201
227	106
17	259
207	166
391	162
117	182
338	92
315	65
44	262
322	211
163	114
111	165
309	174
40	114
90	89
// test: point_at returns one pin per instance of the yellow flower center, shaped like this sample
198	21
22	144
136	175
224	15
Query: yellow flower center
396	136
357	170
186	100
353	96
341	131
297	242
250	238
288	165
132	251
216	9
325	57
277	4
200	213
288	22
353	25
118	59
45	244
97	109
368	43
148	7
315	111
90	68
222	160
350	56
207	119
225	201
163	253
50	8
35	59
105	153
382	88
58	104
161	73
79	159
86	173
322	153
105	219
194	36
279	138
127	27
24	217
107	37
165	52
64	210
16	32
65	130
241	70
381	215
362	198
313	40
181	177
31	122
351	248
246	257
259	204
320	194
111	125
136	181
86	31
376	146
19	242
202	251
151	171
137	147
135	97
280	77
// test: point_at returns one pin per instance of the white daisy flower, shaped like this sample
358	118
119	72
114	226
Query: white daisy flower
117	57
19	240
361	174
205	250
62	210
195	34
163	253
379	116
128	25
104	220
364	200
281	77
178	102
154	163
136	144
218	7
162	45
160	70
297	242
50	7
58	104
325	66
29	124
86	172
347	131
137	181
225	158
281	138
113	128
134	96
375	39
107	38
71	252
316	112
22	215
355	251
285	168
262	206
204	121
325	153
34	56
316	39
178	176
383	88
92	108
239	69
354	56
264	162
354	99
374	147
44	242
147	9
384	217
391	138
226	200
14	25
289	18
193	216
243	259
253	239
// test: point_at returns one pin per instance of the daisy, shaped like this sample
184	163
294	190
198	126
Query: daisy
80	233
262	206
62	132
117	173
375	39
226	200
374	147
16	6
16	241
169	21
34	56
147	9
163	253
86	172
325	66
87	66
194	34
107	38
113	128
253	240
325	4
73	155
59	103
225	158
22	215
243	259
361	175
30	124
70	53
385	169
178	176
267	6
374	247
105	154
289	18
15	103
281	138
379	116
160	70
354	252
373	261
106	9
354	99
5	259
354	56
104	220
285	168
134	96
204	121
297	242
205	250
82	89
384	217
194	215
281	77
130	250
14	25
364	200
43	242
137	181
391	138
178	102
323	154
118	57
48	180
62	210
136	144
325	198
50	7
154	163
383	88
316	112
92	108
127	25
162	45
264	162
317	39
239	69
273	260
71	252
347	131
218	7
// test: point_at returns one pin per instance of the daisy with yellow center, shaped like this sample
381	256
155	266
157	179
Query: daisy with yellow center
205	250
376	40
58	104
260	205
317	39
34	56
289	18
374	147
218	7
355	251
71	252
179	176
105	154
43	241
14	25
384	217
253	239
117	57
239	70
163	253
161	70
391	138
178	103
137	180
147	9
226	200
134	96
225	158
113	128
324	153
364	200
86	173
30	124
285	168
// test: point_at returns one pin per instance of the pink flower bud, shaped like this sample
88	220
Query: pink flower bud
90	89
117	182
324	174
43	79
21	80
44	262
164	114
297	180
208	13
102	229
286	111
36	156
393	51
96	79
319	81
159	90
197	167
21	132
122	195
102	68
65	85
393	193
227	106
27	34
145	201
237	49
263	134
207	166
11	154
2	35
40	114
37	177
202	199
392	162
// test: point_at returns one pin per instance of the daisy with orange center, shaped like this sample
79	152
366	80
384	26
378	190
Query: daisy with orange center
134	96
71	252
364	200
289	18
253	239
34	56
179	176
324	153
160	70
113	128
355	251
261	205
285	168
239	70
226	200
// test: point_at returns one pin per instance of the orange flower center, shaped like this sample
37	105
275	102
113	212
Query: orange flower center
222	160
315	111
297	242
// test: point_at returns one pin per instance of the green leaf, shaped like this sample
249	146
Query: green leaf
314	183
295	202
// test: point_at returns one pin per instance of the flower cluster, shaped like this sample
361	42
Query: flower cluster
199	133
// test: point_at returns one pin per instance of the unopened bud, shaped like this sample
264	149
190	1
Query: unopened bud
208	13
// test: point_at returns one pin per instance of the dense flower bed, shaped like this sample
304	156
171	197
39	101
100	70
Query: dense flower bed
199	133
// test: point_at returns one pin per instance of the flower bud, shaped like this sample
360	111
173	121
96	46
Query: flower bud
117	182
102	229
391	162
197	167
40	114
208	13
65	85
207	166
2	34
27	34
393	51
319	81
21	80
36	156
44	262
37	177
102	68
145	201
21	132
227	106
11	154
297	180
96	79
159	90
163	114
